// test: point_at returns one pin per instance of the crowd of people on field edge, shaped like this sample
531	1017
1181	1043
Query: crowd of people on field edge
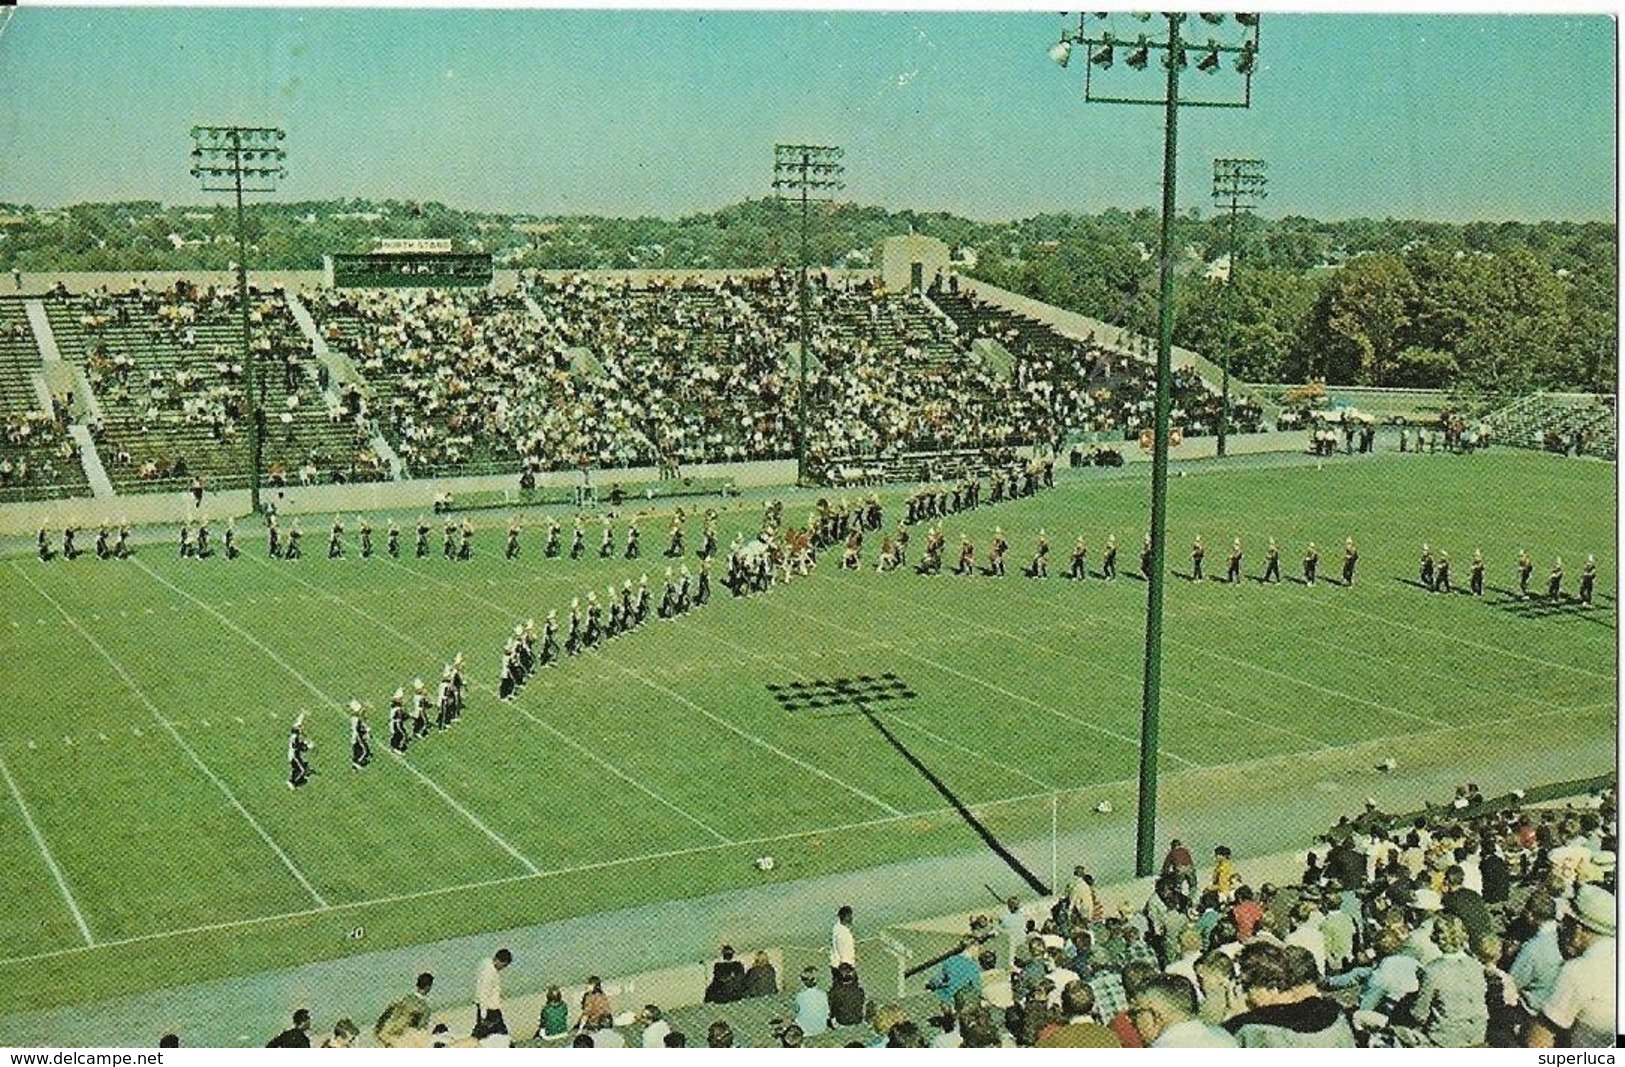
1472	924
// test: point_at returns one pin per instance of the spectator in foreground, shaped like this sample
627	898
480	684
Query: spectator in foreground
762	980
1284	1007
959	971
1080	1028
405	1023
846	997
596	1011
719	1035
295	1036
1164	1013
727	979
812	1004
1450	1009
655	1026
1582	1001
555	1018
344	1034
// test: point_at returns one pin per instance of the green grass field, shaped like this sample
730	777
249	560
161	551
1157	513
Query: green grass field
148	837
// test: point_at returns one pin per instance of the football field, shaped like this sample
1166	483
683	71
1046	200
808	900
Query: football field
149	837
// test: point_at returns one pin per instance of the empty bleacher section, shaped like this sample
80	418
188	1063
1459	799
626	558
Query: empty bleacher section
1572	423
166	368
38	460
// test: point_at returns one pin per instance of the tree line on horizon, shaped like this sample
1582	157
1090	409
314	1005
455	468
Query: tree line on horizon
1497	307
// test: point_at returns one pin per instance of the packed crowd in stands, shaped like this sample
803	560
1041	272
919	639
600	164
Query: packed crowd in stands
1473	924
575	370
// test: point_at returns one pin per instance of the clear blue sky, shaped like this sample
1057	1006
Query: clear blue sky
668	112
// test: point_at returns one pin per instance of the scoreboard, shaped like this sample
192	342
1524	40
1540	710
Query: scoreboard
409	268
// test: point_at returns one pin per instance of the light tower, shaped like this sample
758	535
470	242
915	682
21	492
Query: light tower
805	172
1238	185
242	159
1144	34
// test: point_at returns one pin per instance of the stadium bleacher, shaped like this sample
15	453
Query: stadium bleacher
166	367
38	460
1459	896
1581	423
570	371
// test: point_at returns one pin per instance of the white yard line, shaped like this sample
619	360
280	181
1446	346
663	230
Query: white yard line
558	735
324	698
45	854
191	754
760	742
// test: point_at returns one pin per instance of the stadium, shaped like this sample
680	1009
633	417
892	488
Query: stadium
805	623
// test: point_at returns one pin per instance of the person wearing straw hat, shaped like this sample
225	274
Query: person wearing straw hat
1582	1002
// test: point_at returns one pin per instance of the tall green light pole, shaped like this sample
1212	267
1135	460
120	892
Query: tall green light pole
243	159
1096	34
1238	185
805	172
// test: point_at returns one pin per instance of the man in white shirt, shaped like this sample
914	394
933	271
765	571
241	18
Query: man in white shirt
1014	924
655	1027
1582	1001
488	1019
1164	1012
842	947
